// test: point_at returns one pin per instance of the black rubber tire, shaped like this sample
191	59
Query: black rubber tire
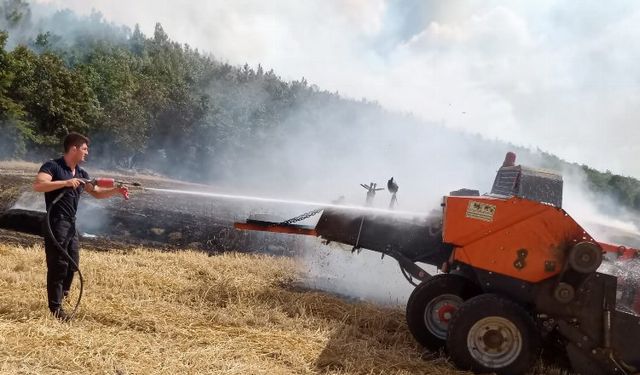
426	292
493	306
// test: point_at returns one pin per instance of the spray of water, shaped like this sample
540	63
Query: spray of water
365	276
628	274
362	276
289	201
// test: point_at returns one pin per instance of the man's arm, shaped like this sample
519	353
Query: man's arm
102	193
43	183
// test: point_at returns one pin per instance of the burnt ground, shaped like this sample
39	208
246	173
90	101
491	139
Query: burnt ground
157	219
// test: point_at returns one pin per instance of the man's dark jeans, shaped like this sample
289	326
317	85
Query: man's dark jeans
59	270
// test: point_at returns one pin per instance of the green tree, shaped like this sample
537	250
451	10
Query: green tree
14	128
57	99
124	120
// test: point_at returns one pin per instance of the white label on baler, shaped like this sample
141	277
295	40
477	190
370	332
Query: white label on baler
481	211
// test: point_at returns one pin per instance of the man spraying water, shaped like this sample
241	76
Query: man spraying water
63	180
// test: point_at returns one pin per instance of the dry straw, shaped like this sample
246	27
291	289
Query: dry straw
151	312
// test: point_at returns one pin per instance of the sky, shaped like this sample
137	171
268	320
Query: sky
562	76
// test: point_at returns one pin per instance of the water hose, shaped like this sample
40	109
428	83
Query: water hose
69	258
100	182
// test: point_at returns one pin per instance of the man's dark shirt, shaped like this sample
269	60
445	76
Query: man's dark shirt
67	206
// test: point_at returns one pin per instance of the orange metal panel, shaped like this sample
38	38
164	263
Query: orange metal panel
493	233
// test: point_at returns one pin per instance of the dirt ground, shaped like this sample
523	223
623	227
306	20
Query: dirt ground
152	218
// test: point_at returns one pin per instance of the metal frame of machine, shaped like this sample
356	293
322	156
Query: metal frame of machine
518	273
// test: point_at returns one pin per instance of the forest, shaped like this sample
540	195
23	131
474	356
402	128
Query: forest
148	102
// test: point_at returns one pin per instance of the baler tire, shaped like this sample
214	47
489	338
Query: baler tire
505	325
443	287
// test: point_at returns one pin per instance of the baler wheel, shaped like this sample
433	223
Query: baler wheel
433	303
491	334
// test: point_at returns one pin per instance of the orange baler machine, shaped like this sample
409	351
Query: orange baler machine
516	272
514	237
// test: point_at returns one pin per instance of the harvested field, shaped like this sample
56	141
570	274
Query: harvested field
150	312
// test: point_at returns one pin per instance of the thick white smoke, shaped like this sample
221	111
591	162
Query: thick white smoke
552	74
30	201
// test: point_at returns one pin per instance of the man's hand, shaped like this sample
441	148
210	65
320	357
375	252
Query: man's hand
74	183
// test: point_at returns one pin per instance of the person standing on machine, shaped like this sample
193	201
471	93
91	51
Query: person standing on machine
54	175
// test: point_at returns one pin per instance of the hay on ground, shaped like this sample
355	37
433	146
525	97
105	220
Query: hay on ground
150	312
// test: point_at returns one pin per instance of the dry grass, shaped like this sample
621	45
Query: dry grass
148	312
28	170
19	165
151	312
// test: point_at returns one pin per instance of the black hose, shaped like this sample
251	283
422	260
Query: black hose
69	258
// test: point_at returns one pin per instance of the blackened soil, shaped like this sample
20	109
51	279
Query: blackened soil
161	220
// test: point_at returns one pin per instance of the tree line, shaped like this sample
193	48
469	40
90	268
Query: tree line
148	101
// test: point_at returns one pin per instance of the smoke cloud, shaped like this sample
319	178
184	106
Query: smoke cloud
557	76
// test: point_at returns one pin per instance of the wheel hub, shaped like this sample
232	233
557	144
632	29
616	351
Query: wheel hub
439	312
494	341
446	312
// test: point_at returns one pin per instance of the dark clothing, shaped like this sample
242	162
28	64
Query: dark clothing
60	171
59	270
